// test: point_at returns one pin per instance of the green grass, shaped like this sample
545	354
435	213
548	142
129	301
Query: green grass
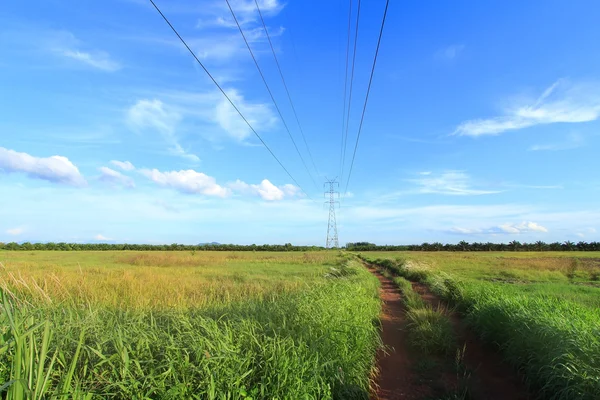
429	329
548	328
306	330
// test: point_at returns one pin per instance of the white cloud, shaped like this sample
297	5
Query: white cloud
153	114
266	190
57	169
218	14
156	116
586	232
455	183
66	45
523	227
99	59
506	228
115	177
187	181
124	165
101	238
449	53
177	150
561	102
15	231
258	115
573	141
206	113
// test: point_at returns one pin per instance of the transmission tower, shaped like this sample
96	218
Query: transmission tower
332	235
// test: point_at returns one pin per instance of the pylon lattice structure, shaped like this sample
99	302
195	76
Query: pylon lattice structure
332	234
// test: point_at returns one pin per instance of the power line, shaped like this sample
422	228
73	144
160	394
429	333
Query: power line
286	88
227	97
270	93
351	86
345	88
368	91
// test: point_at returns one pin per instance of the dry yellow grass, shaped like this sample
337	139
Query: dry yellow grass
156	279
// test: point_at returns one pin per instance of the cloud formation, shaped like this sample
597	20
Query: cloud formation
449	53
455	183
66	45
224	43
194	182
15	231
572	141
56	169
258	115
124	165
561	102
507	228
101	238
115	177
266	190
187	181
99	59
156	116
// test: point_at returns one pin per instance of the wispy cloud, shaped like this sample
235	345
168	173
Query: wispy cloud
224	43
156	116
124	165
586	232
258	115
116	178
56	169
217	14
456	183
99	59
210	110
572	141
562	102
66	45
507	228
449	53
15	231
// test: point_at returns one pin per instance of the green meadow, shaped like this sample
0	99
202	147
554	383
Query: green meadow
197	325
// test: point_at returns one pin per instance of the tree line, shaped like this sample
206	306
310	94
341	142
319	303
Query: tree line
479	246
62	246
355	246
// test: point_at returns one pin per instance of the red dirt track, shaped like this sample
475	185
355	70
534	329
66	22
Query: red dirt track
395	380
490	377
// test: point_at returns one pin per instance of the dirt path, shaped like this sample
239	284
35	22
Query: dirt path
490	377
395	380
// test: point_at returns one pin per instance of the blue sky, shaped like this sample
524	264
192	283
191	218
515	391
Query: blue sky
482	123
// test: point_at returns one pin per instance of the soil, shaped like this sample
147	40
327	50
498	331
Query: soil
490	378
399	375
396	380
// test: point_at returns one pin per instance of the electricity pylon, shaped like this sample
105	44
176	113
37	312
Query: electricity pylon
332	234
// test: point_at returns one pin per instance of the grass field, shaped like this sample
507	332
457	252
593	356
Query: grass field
540	309
206	325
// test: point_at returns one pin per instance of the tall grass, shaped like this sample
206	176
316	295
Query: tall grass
429	329
553	342
318	342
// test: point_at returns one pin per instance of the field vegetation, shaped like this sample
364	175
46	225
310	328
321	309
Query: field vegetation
173	325
540	311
